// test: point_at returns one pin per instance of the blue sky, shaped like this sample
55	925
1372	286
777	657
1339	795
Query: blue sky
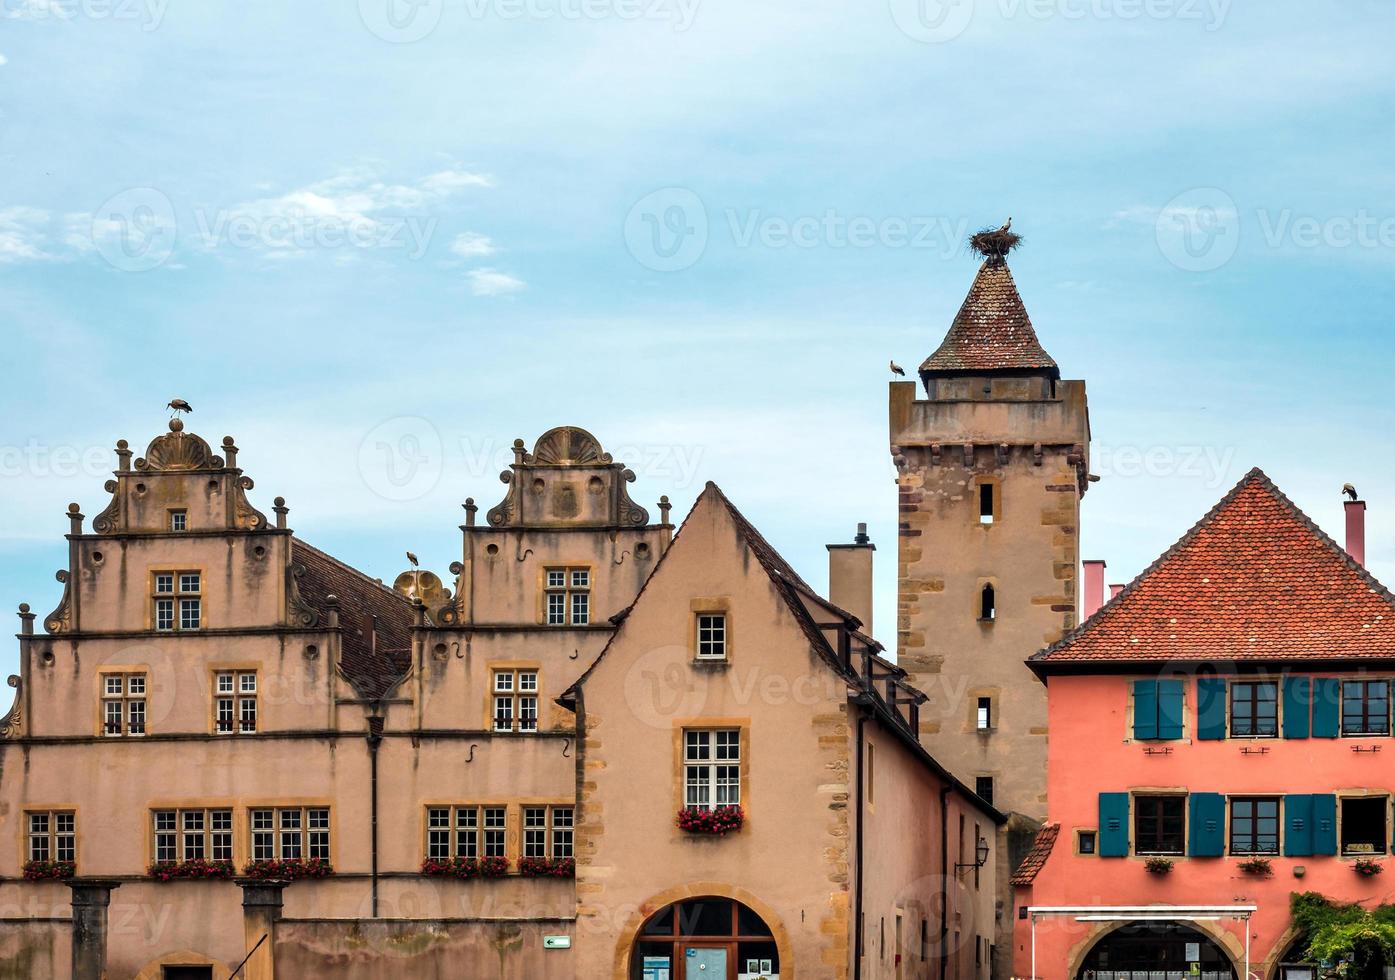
376	244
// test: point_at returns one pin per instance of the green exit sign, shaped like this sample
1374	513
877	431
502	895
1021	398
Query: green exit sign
557	942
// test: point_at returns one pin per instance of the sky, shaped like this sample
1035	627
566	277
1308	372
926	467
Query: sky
378	240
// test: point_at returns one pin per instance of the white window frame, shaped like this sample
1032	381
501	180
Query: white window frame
567	596
712	635
549	831
515	699
179	521
289	833
50	835
188	834
123	704
235	707
712	767
177	601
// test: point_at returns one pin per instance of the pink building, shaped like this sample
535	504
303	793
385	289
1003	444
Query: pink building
1220	740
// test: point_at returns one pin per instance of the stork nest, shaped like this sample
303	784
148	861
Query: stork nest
993	243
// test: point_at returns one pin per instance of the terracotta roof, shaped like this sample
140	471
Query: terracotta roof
372	664
1035	860
1254	579
991	331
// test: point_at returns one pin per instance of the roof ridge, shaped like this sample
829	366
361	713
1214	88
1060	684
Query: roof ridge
368	580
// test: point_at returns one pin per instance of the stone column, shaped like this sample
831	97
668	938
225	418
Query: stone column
261	910
91	896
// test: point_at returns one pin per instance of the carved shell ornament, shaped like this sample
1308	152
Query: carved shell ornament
567	444
178	450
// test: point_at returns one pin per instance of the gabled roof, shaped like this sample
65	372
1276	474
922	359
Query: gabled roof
1035	860
1253	580
991	331
373	664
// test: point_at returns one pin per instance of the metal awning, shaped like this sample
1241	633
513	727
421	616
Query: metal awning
1143	913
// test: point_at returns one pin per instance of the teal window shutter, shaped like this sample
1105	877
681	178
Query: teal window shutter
1114	825
1327	707
1210	708
1207	825
1298	825
1169	709
1145	709
1324	824
1297	698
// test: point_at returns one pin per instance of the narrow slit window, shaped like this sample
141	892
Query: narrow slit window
987	604
985	714
985	503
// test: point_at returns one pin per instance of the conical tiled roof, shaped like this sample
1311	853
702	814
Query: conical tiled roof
1254	579
991	331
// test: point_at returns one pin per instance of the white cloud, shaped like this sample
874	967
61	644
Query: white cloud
492	282
4	60
472	245
450	181
23	234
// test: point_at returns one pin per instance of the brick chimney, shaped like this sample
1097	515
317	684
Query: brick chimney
1356	527
1092	596
850	577
1116	589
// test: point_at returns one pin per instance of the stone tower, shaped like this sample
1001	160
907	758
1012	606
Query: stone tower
991	466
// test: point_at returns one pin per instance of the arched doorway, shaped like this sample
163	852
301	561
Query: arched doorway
1291	965
1156	951
708	938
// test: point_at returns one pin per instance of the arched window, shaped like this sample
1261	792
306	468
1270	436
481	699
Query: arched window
987	604
706	937
1150	949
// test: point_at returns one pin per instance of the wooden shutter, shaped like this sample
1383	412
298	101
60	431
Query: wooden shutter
1145	709
1170	698
1327	707
1114	825
1210	708
1298	825
1297	698
1207	830
1324	824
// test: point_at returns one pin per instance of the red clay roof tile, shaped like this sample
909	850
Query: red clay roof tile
991	331
1035	860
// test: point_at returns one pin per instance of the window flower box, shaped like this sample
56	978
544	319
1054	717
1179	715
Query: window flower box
48	870
718	823
1158	866
288	870
532	867
1259	867
465	868
197	869
1368	867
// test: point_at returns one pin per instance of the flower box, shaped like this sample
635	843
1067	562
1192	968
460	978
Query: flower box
1259	867
531	867
48	870
197	869
1158	866
288	870
718	823
465	868
1368	867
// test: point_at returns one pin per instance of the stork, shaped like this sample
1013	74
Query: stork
897	370
178	405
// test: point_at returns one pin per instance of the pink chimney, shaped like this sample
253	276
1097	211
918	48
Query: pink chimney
1356	526
1093	595
1116	589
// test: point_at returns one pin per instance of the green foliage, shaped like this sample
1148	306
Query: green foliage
1337	932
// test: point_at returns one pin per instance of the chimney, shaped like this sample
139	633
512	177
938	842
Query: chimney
1116	589
850	577
1093	595
1356	528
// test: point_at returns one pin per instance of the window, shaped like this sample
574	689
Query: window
177	602
712	636
179	520
1254	825
1086	839
290	833
983	786
1254	709
187	835
987	604
985	503
467	831
1365	707
985	714
547	831
123	704
924	940
1364	825
871	774
712	768
52	835
1159	823
568	596
234	702
515	700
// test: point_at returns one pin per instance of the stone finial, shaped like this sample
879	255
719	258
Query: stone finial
75	518
230	452
26	619
470	510
332	611
278	505
519	451
123	455
664	508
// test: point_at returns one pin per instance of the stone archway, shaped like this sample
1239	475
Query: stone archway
155	969
626	964
1133	950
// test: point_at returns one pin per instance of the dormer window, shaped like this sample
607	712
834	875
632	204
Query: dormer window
567	596
177	602
179	520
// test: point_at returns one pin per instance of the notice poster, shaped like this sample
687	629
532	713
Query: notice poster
657	968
